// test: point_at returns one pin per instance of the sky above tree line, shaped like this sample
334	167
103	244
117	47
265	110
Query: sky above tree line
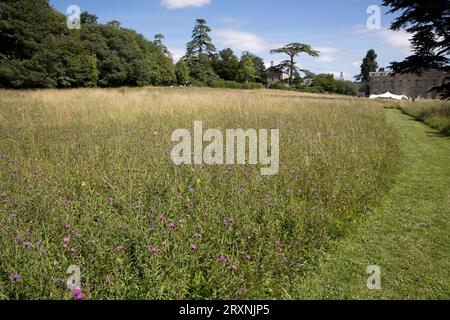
337	28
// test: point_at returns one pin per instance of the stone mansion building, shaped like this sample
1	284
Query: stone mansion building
410	84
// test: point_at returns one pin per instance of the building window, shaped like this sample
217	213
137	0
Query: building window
400	83
409	83
435	82
425	83
392	84
417	83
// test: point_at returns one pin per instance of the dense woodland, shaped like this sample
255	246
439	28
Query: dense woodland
39	51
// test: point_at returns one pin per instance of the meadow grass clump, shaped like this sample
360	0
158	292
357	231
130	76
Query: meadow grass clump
86	179
435	114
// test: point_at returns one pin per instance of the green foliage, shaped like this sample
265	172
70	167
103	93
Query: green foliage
293	50
258	64
247	71
326	82
235	85
94	165
182	73
226	65
428	23
436	115
369	64
38	50
199	52
201	43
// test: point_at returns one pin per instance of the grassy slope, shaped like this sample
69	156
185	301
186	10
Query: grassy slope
408	236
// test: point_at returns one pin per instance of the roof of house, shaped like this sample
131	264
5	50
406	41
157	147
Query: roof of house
274	70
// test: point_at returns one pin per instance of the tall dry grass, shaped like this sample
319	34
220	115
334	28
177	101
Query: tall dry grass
86	179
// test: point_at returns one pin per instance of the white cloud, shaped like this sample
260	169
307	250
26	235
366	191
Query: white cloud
327	54
230	21
243	41
399	40
327	49
179	4
177	54
336	74
327	58
356	64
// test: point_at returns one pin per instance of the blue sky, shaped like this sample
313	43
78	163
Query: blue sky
337	28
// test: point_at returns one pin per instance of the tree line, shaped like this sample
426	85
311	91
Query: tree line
39	51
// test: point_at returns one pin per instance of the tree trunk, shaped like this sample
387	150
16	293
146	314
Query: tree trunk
291	73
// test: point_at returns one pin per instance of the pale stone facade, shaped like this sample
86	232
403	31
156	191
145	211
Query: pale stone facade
410	84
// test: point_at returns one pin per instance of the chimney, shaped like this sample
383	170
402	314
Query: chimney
272	64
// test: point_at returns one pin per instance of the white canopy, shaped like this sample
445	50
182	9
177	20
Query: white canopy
388	95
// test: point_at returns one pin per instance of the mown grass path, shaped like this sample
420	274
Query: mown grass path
407	236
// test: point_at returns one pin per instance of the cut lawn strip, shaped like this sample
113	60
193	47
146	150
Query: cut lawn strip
407	236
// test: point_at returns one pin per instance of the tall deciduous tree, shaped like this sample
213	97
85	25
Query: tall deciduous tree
293	50
247	72
428	21
226	65
258	63
182	72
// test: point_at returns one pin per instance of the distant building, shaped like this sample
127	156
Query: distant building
274	75
409	84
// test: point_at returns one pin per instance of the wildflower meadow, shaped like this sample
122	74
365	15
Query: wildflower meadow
87	180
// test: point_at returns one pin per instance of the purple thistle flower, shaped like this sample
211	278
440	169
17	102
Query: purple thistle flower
77	294
15	277
78	235
227	222
17	239
198	235
66	239
172	225
193	247
248	257
119	248
68	226
27	244
222	258
72	250
190	190
67	202
278	245
162	217
153	250
110	200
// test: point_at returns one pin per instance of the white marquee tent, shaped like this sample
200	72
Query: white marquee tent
388	95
